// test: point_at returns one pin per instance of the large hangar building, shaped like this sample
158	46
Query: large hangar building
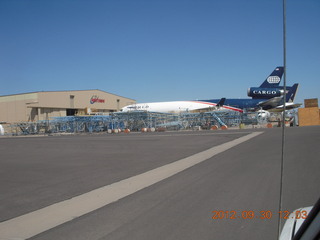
35	106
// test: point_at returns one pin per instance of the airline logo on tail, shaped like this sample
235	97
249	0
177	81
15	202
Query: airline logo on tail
270	87
273	79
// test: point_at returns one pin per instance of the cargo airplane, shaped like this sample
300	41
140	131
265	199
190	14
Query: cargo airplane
269	96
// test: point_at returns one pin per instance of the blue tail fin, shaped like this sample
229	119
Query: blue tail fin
273	79
221	102
292	93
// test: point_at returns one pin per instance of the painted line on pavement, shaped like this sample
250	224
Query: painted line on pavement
41	220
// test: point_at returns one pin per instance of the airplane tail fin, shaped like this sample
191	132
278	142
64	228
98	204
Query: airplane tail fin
292	93
221	102
273	80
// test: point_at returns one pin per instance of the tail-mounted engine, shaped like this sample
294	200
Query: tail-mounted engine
255	92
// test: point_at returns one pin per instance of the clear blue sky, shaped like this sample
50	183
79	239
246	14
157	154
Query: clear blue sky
157	50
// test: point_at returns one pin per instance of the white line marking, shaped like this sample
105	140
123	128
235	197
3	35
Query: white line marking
41	220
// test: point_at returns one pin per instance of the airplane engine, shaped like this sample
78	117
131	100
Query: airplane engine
255	92
263	116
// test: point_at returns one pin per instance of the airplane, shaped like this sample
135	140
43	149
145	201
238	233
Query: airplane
268	96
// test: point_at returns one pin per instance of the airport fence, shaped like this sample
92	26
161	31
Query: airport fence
134	121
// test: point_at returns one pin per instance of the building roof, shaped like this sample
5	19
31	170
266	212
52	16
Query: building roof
65	91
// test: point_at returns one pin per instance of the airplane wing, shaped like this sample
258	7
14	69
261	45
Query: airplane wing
289	106
270	103
276	103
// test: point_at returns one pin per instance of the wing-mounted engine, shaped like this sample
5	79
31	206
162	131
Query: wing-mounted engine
263	116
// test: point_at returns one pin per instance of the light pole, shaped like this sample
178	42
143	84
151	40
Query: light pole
283	110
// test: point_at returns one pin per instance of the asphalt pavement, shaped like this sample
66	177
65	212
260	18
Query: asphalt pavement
223	197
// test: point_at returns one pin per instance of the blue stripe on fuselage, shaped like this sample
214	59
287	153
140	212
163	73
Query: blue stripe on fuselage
238	103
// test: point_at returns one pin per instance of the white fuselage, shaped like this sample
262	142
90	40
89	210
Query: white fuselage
170	107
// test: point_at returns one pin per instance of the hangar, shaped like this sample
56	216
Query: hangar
37	106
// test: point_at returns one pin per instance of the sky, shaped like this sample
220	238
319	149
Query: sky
157	50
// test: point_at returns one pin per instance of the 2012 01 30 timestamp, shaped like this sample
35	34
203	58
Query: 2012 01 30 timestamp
264	214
